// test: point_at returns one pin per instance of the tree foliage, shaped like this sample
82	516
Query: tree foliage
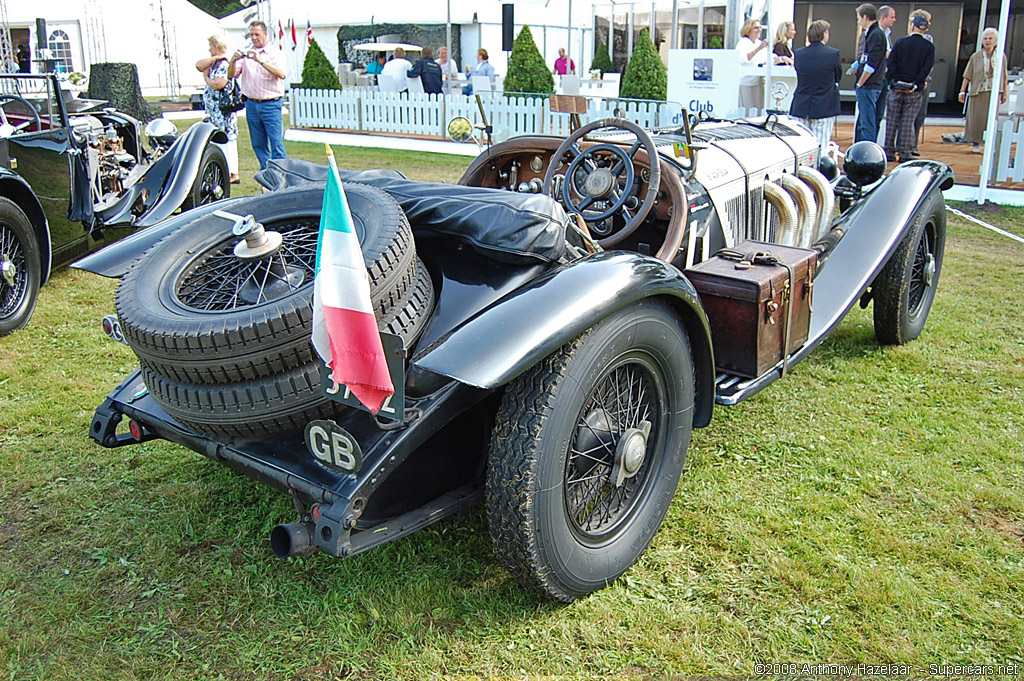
602	61
527	72
645	76
317	72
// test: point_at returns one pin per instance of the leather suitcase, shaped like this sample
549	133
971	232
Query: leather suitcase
756	295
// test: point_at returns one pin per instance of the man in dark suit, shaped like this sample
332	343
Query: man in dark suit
818	70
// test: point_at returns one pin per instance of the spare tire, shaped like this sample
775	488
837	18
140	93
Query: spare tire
193	312
285	400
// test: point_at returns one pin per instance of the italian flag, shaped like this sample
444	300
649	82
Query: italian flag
345	333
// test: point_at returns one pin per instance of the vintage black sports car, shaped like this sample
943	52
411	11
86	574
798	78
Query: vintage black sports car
549	365
75	176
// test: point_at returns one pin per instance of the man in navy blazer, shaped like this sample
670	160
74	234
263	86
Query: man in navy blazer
818	70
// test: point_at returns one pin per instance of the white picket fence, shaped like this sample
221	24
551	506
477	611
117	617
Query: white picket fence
1008	165
367	110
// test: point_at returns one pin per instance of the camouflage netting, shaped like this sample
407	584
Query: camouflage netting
118	83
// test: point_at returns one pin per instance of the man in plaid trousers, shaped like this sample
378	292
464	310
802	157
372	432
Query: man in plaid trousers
910	62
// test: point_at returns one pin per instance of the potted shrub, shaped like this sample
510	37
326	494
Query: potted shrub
602	62
527	72
645	76
317	72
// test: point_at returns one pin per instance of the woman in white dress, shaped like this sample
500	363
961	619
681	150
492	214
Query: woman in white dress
752	49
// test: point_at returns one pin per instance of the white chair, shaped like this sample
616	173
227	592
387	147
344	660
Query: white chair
415	85
481	85
385	83
570	84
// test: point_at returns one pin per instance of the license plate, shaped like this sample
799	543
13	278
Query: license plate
394	407
333	447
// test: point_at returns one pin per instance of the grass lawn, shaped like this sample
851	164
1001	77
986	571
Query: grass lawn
867	509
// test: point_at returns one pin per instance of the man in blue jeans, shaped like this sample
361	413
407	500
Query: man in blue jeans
870	74
261	74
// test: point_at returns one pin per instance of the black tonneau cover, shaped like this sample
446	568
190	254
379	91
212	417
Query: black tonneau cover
507	226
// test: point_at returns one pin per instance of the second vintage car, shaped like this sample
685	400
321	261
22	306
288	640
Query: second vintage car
75	176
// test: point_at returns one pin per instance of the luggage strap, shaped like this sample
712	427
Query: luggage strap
745	261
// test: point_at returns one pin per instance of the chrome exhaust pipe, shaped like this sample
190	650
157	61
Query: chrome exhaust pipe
807	209
825	196
785	208
293	539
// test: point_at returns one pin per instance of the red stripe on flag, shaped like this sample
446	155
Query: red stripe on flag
358	360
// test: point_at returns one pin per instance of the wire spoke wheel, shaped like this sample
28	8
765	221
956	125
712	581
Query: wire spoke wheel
626	399
21	270
922	272
903	291
212	184
13	272
587	451
217	280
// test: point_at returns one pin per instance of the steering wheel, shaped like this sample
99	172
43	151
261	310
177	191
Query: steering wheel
31	109
605	179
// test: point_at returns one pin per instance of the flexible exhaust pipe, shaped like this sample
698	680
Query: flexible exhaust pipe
293	539
826	198
806	209
780	200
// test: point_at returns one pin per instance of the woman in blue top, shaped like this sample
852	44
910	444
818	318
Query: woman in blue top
375	66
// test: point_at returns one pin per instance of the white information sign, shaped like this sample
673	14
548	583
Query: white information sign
705	80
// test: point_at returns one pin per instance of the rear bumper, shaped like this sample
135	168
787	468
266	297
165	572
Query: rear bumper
336	502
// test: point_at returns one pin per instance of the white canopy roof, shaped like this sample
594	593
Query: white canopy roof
551	12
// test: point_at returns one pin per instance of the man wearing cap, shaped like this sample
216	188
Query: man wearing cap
909	64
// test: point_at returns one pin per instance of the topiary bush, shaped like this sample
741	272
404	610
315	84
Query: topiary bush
645	76
602	62
317	72
527	72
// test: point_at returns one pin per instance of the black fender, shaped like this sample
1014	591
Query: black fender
166	183
114	260
513	334
15	188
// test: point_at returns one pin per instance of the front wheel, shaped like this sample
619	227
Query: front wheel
587	451
905	288
211	182
21	268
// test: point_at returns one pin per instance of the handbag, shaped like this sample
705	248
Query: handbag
903	86
231	98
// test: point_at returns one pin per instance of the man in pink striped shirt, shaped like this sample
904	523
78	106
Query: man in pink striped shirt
261	73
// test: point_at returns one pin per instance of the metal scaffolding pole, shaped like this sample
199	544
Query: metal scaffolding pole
993	103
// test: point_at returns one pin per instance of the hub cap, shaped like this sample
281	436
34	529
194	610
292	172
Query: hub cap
609	465
217	280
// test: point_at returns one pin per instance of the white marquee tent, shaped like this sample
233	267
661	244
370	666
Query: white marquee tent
163	37
480	23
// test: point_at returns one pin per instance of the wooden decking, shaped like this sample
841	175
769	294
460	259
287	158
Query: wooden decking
965	165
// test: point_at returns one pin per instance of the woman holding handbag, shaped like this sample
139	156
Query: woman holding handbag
215	73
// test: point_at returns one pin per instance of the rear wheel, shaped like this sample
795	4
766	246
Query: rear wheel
905	288
587	452
21	268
